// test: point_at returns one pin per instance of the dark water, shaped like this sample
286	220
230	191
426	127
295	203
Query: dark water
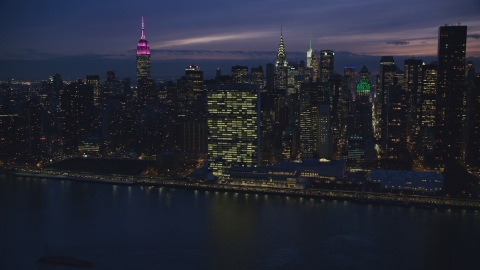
120	227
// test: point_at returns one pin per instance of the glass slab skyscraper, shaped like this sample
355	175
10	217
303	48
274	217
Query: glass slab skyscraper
233	126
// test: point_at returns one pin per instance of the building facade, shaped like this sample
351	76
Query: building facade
143	56
233	126
450	100
326	64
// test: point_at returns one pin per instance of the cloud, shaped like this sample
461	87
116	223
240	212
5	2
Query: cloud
210	39
401	43
475	36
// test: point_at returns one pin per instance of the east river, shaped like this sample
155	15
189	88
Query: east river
138	227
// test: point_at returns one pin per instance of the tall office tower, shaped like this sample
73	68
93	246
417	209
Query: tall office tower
364	76
57	90
75	114
269	76
349	81
472	128
363	106
306	125
473	143
12	128
143	56
292	78
258	77
112	85
238	73
314	66
110	75
338	113
388	70
312	96
363	89
450	94
413	92
469	100
34	130
191	111
233	126
427	112
396	118
281	72
355	152
93	82
113	123
146	92
326	64
309	52
324	137
127	89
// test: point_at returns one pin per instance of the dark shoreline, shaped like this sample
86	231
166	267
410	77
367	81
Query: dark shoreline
302	194
332	195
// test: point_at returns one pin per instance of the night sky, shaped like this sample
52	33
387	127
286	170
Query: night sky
77	38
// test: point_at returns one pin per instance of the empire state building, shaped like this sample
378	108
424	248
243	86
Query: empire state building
143	56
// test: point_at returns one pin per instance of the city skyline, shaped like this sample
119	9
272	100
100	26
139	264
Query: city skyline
105	37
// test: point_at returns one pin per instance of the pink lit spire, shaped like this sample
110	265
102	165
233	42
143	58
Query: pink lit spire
143	29
142	47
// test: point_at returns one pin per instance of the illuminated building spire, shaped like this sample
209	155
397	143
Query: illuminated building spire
310	41
309	53
143	29
281	55
143	56
142	47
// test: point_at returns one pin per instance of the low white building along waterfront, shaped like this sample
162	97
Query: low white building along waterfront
285	174
416	181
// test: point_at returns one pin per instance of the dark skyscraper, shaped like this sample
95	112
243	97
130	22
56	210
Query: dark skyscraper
388	70
395	127
238	73
349	81
473	142
326	65
270	76
191	111
76	114
413	87
111	75
427	112
450	93
93	83
360	129
143	56
258	77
